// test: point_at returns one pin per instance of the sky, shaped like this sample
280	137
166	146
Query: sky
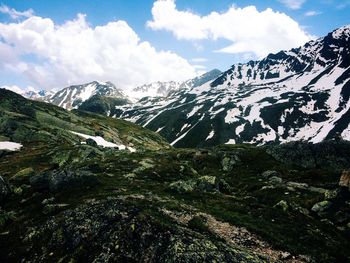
54	44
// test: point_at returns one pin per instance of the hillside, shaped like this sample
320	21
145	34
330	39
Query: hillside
64	199
301	94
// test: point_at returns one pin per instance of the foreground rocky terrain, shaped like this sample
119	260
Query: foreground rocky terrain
86	188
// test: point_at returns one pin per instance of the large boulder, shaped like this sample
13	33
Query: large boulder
59	180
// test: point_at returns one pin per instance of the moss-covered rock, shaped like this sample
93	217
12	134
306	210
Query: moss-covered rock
321	207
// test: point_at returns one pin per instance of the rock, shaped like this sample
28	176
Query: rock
4	189
285	256
228	162
48	201
59	180
206	183
317	190
296	185
331	194
282	205
182	186
275	180
345	179
321	207
268	174
91	142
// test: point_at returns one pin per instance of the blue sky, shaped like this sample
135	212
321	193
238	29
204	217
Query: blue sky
211	48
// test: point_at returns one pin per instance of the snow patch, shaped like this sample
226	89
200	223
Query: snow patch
10	146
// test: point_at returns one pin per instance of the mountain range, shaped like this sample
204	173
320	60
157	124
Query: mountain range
301	94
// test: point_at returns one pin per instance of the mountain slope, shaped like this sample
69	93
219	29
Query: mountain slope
72	97
27	121
301	94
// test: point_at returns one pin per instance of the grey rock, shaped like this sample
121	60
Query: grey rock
275	180
321	207
59	180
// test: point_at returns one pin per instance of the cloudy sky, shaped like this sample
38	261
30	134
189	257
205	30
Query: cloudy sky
53	44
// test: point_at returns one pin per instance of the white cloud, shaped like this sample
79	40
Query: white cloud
312	13
199	60
249	30
14	14
293	4
53	56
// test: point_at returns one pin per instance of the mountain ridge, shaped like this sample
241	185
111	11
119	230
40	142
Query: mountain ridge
301	94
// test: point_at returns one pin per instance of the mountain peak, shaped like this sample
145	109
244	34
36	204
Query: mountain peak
73	96
341	32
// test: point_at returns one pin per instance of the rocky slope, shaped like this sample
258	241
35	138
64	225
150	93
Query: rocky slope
301	94
72	97
64	198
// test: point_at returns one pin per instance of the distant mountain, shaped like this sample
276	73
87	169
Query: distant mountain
301	94
73	96
31	93
163	89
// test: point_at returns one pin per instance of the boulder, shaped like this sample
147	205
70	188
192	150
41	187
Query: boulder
59	180
206	183
275	180
228	162
321	207
182	186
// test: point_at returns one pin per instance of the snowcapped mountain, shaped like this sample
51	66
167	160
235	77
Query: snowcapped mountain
155	89
31	93
163	89
73	96
301	94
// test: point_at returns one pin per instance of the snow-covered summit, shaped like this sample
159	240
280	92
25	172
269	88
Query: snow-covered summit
73	96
